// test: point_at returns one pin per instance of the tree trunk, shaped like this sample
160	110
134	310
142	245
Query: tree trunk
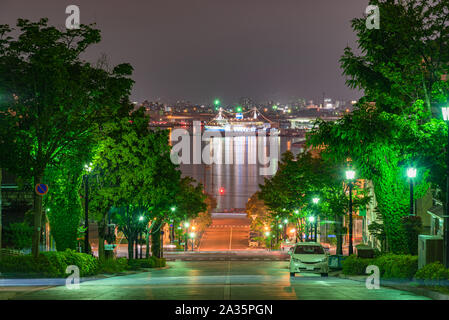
136	246
156	240
338	231
37	219
147	248
1	208
162	245
130	248
101	236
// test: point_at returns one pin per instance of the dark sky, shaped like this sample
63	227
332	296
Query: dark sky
201	49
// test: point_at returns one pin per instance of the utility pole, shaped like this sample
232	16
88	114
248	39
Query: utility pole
350	219
86	213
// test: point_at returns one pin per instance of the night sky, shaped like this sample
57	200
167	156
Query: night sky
201	49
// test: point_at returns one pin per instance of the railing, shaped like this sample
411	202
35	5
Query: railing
10	252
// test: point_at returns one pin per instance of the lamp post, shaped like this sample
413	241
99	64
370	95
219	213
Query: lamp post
284	236
172	236
141	218
88	168
186	225
350	175
315	202
192	236
267	234
411	174
311	220
445	111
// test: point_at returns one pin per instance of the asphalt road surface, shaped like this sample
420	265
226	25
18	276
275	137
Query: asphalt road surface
215	280
227	232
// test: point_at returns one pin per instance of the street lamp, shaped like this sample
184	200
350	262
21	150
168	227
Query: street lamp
186	225
315	201
192	236
88	168
411	174
311	220
445	111
350	175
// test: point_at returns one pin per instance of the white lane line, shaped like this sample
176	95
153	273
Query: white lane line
227	287
230	239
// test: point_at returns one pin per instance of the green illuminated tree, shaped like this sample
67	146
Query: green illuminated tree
400	69
50	98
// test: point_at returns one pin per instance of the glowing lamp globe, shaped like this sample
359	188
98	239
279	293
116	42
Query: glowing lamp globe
445	111
350	174
411	172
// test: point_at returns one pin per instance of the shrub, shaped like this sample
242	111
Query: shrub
49	264
151	262
19	235
412	226
353	265
433	274
393	266
87	264
113	265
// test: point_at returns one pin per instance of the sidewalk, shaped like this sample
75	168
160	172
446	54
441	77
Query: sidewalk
406	286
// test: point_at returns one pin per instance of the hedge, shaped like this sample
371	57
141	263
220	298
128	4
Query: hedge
433	274
113	265
54	264
49	264
353	265
151	262
391	266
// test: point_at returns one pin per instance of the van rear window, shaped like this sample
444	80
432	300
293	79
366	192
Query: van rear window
309	250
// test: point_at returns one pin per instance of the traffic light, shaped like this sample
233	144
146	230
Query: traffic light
221	191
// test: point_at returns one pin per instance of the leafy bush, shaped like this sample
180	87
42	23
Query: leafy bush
113	265
49	264
87	264
393	266
412	226
353	265
19	235
151	262
433	274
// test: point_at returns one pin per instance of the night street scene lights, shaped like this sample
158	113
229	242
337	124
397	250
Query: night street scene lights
350	176
411	174
445	111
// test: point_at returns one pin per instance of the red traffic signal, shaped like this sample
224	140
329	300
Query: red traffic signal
222	191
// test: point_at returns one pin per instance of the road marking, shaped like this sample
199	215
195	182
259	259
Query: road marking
227	287
230	239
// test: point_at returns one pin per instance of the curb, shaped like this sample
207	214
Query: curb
434	295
